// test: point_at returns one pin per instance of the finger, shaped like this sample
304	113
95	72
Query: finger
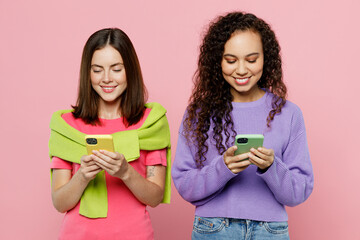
241	157
266	151
104	157
255	159
92	174
89	163
236	158
113	155
240	164
237	170
230	151
103	166
102	161
258	153
86	158
92	168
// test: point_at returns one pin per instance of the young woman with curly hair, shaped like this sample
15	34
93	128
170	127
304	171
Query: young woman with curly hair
239	90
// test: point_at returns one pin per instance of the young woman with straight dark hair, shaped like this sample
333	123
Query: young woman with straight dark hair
105	194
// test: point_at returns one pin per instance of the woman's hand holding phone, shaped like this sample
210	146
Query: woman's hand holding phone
248	150
261	157
113	163
101	153
236	163
88	168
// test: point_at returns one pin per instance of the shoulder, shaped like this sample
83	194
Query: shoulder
156	111
144	117
289	108
293	110
152	113
60	113
66	115
290	113
57	116
295	116
155	107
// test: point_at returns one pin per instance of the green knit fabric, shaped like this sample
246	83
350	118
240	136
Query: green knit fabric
69	144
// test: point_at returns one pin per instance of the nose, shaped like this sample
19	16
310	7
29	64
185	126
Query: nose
106	78
241	68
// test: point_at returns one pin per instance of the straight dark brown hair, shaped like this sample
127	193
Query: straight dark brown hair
132	100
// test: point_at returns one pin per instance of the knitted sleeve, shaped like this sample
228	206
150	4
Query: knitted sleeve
195	185
290	177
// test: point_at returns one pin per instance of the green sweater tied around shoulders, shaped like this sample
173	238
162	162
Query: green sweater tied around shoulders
69	144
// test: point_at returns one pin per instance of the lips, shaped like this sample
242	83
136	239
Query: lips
242	81
108	89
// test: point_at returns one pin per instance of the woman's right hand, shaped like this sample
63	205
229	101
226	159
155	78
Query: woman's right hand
67	189
236	163
88	168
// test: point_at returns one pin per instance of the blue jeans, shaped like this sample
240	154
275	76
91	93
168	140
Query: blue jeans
231	228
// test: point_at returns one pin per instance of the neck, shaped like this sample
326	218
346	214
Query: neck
109	110
249	96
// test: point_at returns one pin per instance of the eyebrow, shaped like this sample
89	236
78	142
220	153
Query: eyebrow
249	55
113	65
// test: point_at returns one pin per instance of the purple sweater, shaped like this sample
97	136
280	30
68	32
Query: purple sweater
250	194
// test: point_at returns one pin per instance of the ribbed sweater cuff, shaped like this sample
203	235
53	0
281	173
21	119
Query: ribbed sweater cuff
223	171
274	173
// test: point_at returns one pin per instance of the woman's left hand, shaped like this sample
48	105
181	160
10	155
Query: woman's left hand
261	157
113	163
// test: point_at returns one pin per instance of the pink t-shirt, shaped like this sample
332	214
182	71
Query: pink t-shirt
127	217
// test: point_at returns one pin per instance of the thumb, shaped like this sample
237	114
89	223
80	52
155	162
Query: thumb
230	151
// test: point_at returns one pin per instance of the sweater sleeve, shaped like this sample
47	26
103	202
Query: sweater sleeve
290	177
195	185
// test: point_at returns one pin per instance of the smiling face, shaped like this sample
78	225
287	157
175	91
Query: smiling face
242	65
107	74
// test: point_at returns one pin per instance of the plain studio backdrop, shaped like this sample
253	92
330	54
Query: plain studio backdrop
40	51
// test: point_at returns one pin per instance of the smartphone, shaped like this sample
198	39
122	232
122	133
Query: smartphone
99	142
245	142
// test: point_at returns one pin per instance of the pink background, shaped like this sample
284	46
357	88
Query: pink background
40	50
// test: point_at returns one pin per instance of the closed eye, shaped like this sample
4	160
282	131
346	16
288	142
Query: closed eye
230	61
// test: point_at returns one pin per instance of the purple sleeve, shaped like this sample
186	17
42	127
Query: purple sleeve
290	177
198	186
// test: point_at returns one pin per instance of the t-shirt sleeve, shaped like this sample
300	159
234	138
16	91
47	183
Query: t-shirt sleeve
156	157
58	163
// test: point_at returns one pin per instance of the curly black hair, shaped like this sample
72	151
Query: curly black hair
211	98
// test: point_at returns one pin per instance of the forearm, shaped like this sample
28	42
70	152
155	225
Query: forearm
144	190
291	177
198	185
195	185
290	187
68	195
